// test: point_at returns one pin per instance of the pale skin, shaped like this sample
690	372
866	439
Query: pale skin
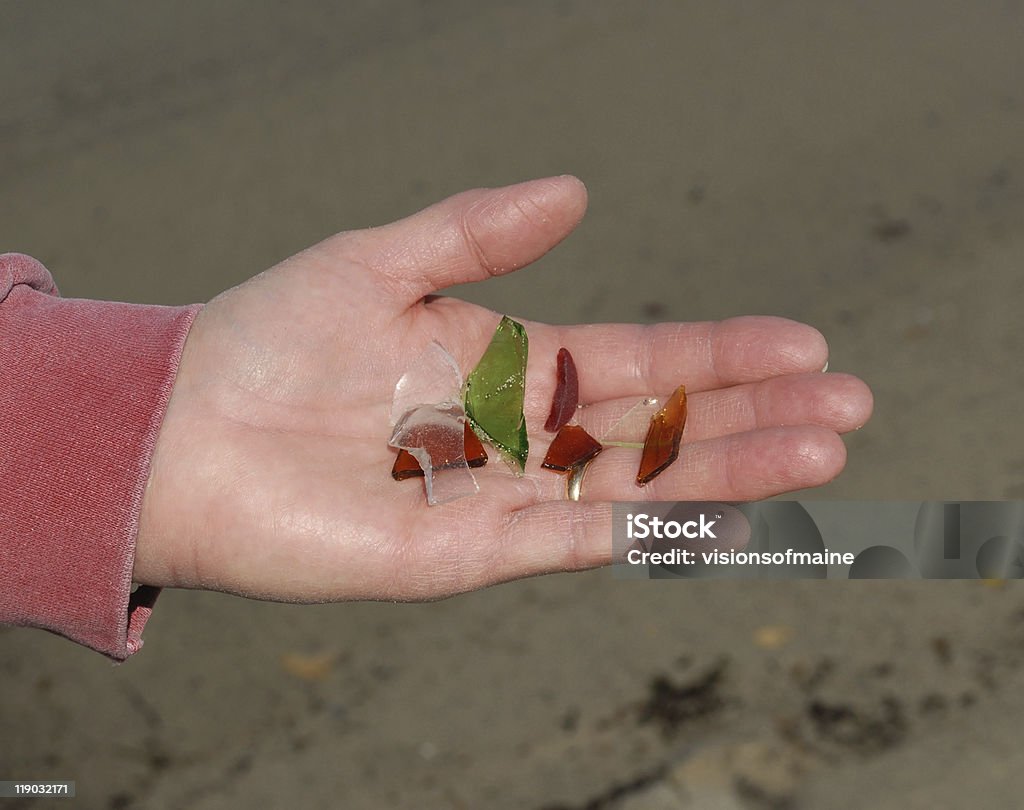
271	473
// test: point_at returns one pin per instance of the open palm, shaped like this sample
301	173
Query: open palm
271	475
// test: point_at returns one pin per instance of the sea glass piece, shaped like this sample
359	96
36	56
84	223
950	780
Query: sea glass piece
406	465
627	430
567	393
433	378
434	435
572	447
495	391
476	456
661	447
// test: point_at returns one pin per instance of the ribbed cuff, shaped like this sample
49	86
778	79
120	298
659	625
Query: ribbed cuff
84	387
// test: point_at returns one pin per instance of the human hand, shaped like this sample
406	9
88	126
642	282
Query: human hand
271	473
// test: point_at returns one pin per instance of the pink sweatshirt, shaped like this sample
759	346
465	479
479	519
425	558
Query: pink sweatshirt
83	389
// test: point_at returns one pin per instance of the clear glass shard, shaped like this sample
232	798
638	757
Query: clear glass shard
435	436
433	378
620	429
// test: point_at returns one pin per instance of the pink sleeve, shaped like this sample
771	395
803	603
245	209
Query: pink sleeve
83	390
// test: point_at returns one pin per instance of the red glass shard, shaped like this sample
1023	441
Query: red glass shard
572	446
567	393
406	466
661	447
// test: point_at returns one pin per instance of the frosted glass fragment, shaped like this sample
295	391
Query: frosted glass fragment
567	393
435	436
661	447
433	378
406	466
495	391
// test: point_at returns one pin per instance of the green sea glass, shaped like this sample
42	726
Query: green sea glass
495	391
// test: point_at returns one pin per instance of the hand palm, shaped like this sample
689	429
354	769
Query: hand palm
271	475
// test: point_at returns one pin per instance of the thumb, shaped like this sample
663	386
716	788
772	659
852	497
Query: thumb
469	237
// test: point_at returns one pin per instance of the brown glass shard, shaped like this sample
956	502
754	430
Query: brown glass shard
567	393
572	447
476	456
661	446
406	465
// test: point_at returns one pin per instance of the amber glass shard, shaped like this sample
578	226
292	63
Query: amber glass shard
661	447
435	437
433	378
567	393
495	390
572	446
476	456
406	466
